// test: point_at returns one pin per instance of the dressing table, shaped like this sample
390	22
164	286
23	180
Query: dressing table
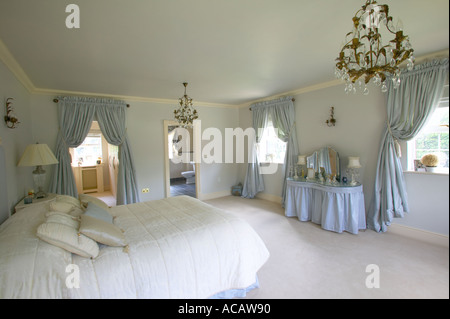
336	206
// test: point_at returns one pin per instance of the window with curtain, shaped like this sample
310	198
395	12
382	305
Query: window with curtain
271	149
433	138
89	151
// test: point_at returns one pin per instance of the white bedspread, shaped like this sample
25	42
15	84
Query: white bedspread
178	248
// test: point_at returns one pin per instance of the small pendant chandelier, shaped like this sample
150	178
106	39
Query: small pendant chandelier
364	57
186	114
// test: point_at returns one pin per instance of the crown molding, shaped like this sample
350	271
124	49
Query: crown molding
127	98
303	90
16	69
22	77
336	82
14	66
431	56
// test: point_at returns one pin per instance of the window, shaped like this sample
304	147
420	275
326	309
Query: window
433	138
90	150
271	149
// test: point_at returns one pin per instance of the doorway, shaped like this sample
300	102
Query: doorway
182	175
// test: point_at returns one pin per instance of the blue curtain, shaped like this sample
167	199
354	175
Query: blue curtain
111	118
254	182
282	113
75	118
408	109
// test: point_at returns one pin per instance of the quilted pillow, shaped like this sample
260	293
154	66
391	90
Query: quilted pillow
69	200
101	231
64	207
61	230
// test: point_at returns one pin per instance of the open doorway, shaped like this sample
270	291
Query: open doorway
182	175
95	166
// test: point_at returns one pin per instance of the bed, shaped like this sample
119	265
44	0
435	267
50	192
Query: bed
177	247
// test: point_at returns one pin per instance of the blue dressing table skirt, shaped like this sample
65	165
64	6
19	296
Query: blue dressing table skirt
335	208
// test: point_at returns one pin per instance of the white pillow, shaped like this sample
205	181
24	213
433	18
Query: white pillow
60	207
62	218
101	231
69	200
64	207
61	230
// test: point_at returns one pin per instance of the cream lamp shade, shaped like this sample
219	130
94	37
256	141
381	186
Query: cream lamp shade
301	160
38	155
353	162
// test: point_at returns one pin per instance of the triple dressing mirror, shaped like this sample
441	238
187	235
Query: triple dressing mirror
327	158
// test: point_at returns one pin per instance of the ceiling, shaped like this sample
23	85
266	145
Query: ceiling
230	51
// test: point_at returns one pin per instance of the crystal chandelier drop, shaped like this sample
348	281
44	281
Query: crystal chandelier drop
186	114
364	57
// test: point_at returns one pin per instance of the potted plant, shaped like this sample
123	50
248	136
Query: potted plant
431	162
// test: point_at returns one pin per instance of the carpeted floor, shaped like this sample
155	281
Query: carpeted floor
309	262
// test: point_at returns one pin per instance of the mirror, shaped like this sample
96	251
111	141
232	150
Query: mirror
327	158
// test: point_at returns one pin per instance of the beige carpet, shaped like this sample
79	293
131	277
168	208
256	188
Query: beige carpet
309	262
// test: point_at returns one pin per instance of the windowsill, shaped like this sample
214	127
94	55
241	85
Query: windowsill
269	163
444	173
87	165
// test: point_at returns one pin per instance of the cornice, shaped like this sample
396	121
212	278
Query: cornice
16	69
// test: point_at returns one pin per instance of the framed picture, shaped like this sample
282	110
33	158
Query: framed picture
418	166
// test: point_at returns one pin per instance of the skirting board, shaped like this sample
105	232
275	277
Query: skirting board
419	234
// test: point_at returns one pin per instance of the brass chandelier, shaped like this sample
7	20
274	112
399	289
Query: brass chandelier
364	57
186	114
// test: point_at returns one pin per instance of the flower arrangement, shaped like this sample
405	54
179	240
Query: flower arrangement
430	160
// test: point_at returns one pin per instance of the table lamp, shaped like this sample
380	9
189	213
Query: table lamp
302	163
38	155
353	167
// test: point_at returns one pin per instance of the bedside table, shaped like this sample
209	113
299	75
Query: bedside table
40	201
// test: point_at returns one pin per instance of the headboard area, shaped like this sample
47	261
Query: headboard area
4	210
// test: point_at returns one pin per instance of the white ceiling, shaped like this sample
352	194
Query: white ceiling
230	51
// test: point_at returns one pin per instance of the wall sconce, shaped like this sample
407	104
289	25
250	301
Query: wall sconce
332	121
10	118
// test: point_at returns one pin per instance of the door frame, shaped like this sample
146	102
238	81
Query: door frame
168	123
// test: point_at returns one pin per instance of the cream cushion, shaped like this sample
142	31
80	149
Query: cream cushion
102	231
69	200
61	230
61	207
65	207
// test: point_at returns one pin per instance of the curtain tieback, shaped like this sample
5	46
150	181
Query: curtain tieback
398	148
290	130
62	137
